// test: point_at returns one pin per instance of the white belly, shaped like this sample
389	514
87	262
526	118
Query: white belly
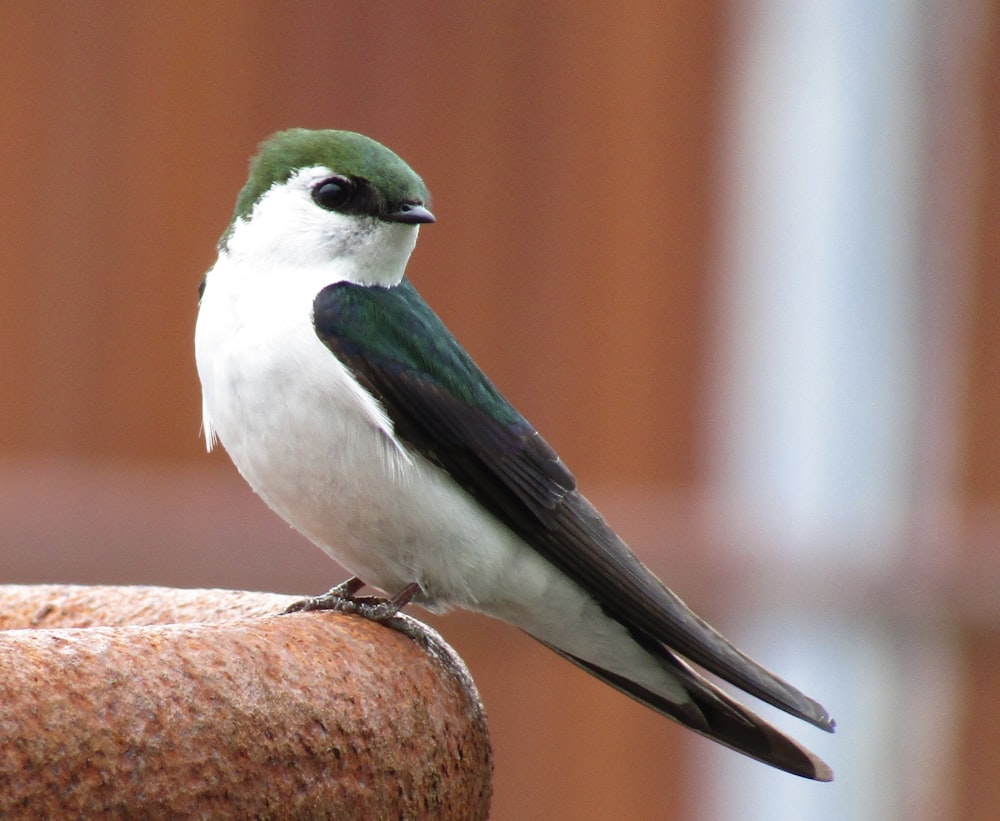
321	452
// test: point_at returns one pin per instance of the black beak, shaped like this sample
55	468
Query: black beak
411	213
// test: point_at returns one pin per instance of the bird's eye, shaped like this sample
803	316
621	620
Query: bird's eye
333	193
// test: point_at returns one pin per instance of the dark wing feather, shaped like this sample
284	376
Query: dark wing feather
445	408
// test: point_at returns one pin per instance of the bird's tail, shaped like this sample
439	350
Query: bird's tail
712	713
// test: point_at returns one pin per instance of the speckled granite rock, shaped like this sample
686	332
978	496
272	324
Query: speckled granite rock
129	702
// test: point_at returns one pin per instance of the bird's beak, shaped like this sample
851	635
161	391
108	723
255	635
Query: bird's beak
412	213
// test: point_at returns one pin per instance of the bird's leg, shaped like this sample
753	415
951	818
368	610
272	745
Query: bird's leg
339	597
342	600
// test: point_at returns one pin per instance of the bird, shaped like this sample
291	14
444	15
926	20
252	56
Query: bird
352	411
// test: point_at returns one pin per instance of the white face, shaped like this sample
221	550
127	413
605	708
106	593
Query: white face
286	228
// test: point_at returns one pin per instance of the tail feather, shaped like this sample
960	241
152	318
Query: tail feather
713	714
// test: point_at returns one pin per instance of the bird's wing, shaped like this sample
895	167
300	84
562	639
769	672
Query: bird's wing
444	407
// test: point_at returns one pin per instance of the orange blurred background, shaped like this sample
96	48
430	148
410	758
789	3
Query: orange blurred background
581	163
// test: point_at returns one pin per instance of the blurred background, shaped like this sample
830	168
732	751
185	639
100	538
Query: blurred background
738	261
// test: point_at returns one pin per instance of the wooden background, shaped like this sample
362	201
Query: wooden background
573	159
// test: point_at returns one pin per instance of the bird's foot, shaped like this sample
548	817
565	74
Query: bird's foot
341	599
334	599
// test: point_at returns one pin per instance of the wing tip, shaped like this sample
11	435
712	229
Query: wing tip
814	713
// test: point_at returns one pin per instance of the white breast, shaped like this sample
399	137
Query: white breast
321	451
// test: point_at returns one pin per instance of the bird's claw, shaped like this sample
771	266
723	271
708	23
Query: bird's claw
334	599
341	599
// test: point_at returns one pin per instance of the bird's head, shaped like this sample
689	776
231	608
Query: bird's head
329	197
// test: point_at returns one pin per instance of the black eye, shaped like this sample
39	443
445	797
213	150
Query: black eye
333	193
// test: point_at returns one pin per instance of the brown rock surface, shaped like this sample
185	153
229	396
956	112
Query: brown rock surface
127	702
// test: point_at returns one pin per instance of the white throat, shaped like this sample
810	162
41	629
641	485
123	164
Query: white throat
258	299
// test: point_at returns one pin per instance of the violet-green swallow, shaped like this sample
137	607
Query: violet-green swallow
353	412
